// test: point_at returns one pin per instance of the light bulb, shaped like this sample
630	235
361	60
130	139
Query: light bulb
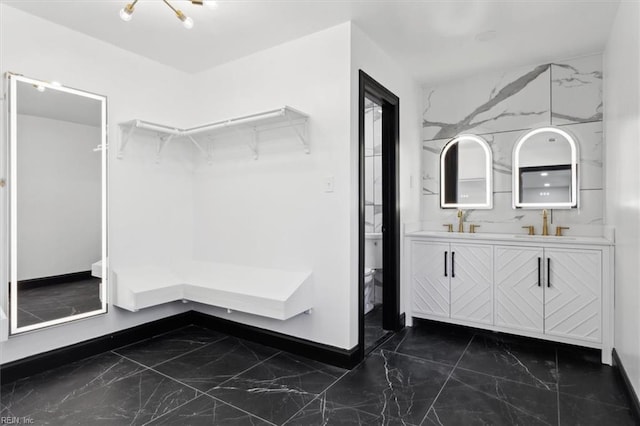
126	13
187	23
211	4
56	84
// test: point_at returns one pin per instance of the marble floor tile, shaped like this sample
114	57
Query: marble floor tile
320	412
583	412
46	303
393	340
164	347
133	400
373	331
411	379
471	398
205	410
513	359
276	389
211	365
46	391
389	385
433	342
582	374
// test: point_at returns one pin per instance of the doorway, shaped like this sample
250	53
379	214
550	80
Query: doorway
379	230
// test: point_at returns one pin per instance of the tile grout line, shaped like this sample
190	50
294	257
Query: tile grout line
245	370
316	397
177	356
199	393
401	342
419	358
160	335
505	379
447	381
558	385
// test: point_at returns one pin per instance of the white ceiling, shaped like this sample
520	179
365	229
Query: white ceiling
433	40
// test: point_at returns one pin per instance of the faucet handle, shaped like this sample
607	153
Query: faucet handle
449	227
559	230
472	228
531	229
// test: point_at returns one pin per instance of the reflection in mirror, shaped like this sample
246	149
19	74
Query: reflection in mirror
465	173
57	204
545	169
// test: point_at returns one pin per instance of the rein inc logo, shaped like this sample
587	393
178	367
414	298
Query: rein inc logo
14	420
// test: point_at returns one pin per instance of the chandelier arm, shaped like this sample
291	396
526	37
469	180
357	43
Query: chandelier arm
176	11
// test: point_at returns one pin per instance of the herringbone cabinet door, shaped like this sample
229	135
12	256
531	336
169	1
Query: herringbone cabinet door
519	298
572	300
472	285
430	286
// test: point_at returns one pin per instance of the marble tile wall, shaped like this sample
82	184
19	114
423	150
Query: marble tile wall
373	168
503	106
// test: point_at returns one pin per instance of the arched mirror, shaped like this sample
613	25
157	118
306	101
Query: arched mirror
545	170
465	173
57	216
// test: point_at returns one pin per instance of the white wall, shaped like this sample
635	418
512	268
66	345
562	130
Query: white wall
59	197
145	198
367	56
273	212
622	154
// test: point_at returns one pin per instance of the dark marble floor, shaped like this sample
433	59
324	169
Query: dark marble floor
426	375
46	303
373	330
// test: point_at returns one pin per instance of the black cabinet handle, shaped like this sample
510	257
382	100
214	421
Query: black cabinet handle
548	272
445	263
453	264
539	272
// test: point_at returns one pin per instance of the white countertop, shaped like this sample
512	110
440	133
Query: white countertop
513	238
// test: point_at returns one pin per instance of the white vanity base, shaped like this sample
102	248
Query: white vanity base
270	293
552	288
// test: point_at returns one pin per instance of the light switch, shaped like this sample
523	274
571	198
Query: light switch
328	184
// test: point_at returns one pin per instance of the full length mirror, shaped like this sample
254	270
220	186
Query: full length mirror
545	169
57	199
465	173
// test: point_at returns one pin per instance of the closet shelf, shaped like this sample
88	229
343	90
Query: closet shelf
254	124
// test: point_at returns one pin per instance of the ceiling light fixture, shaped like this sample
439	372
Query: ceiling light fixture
127	11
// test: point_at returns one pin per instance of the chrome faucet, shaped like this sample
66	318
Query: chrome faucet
545	224
460	221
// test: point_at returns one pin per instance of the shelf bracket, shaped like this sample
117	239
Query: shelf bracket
253	145
302	135
124	139
162	144
201	149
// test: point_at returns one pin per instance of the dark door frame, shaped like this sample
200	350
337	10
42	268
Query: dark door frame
391	319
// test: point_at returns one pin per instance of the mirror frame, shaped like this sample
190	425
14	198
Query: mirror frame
13	197
573	203
488	204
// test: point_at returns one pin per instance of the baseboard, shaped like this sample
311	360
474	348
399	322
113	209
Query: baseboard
345	358
18	369
633	397
12	371
56	279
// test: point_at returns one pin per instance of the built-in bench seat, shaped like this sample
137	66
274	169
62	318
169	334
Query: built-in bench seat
272	293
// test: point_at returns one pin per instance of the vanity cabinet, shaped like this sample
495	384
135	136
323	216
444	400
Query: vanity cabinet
552	288
553	291
453	281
